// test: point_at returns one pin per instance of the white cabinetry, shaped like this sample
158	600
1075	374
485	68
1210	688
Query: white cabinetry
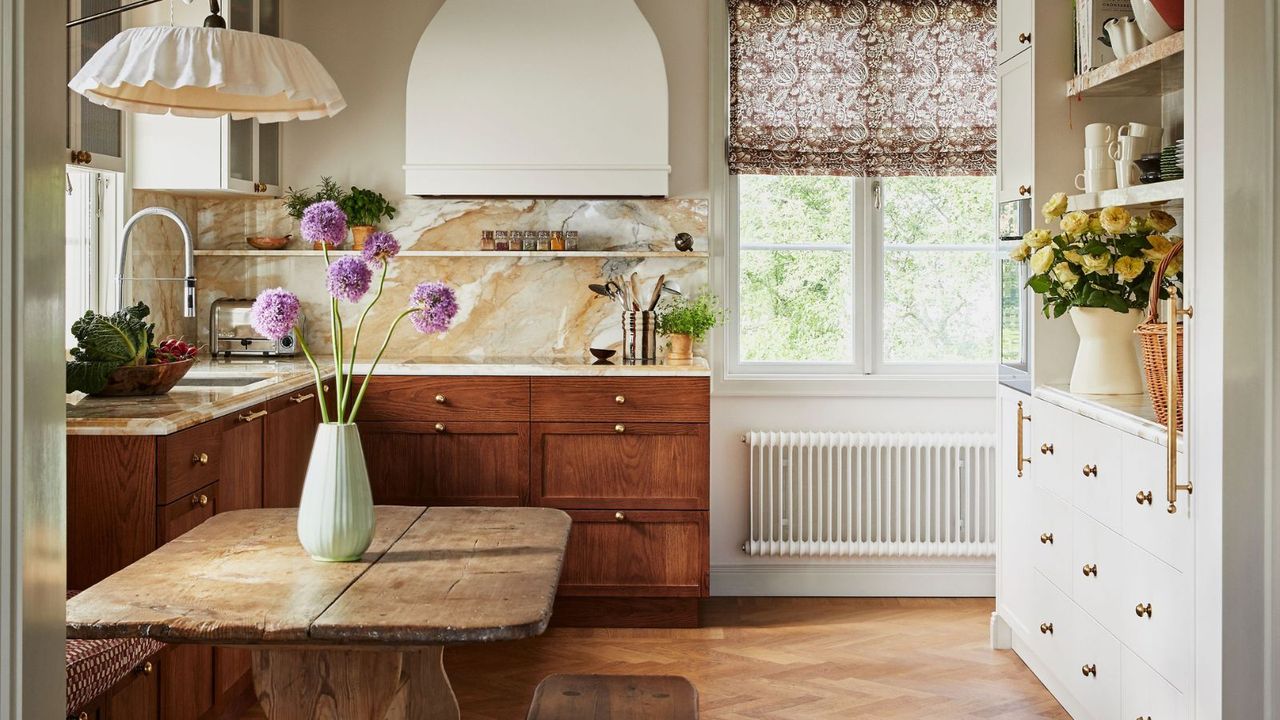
217	155
1015	153
1015	28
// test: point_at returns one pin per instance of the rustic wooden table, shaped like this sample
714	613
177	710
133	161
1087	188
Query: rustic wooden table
341	640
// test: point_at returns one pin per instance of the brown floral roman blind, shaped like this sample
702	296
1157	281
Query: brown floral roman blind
872	88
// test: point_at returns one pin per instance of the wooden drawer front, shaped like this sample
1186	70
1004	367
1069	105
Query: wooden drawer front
443	399
1098	471
1146	694
1050	449
646	553
614	399
135	698
621	465
1051	536
186	682
454	463
1051	620
1092	647
187	461
1148	523
186	513
1102	552
111	505
1163	638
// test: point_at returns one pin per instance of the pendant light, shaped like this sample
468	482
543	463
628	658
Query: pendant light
207	72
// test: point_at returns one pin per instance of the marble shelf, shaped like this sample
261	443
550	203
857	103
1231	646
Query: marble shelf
543	255
1128	413
1169	192
1152	71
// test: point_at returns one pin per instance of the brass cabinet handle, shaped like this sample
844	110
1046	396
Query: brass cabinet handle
199	500
1143	497
200	459
1046	449
1143	610
1046	628
440	427
82	716
1024	190
1173	381
1024	38
1046	538
1090	471
621	399
1090	569
1018	457
252	416
619	428
619	516
1089	670
440	399
147	668
299	399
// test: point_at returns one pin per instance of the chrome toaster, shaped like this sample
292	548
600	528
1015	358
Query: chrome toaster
231	332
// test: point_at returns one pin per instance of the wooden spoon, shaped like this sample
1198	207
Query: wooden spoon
635	291
657	293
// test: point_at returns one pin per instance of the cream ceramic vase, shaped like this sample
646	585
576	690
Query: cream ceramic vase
1106	361
335	519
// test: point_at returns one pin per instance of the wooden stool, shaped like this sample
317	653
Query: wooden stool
614	697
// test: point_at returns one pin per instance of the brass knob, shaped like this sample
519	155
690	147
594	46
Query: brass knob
1046	628
1143	497
1089	670
82	716
619	428
200	459
1046	449
1090	569
621	399
147	668
1046	539
439	427
1024	190
200	500
1090	471
81	157
1024	38
440	399
619	516
1143	610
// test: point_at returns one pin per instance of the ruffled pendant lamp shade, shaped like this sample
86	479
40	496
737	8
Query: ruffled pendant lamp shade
209	72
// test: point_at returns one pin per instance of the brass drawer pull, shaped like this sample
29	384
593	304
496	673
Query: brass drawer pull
1143	610
1046	538
299	399
619	516
1090	570
621	399
200	459
1046	628
1089	670
1024	190
1024	38
1143	497
619	428
440	400
1090	471
199	501
252	416
1021	461
440	427
1046	449
146	668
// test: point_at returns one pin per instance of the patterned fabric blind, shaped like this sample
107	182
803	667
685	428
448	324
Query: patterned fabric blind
871	88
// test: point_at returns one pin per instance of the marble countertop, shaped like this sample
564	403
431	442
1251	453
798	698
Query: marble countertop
1133	414
201	398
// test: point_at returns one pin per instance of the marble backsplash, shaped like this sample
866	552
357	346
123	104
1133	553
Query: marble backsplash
509	306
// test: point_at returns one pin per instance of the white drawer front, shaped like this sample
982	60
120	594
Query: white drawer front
1098	562
1164	638
1052	623
1050	448
1146	695
1148	523
1051	537
1091	669
1097	471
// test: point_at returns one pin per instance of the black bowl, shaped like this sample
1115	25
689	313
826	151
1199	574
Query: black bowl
602	353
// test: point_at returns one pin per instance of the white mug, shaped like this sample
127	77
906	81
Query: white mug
1097	179
1128	147
1096	157
1126	174
1098	134
1150	138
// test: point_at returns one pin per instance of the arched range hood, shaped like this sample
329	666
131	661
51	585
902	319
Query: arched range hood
537	97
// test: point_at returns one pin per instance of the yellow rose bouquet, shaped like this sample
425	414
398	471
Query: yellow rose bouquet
1106	259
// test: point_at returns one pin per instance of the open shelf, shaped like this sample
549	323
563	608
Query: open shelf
1169	192
545	255
1152	71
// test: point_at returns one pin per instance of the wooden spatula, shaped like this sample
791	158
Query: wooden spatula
657	293
635	291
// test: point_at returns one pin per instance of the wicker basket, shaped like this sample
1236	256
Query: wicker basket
1154	338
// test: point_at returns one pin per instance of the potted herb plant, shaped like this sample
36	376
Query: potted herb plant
686	320
336	516
1099	268
365	209
296	202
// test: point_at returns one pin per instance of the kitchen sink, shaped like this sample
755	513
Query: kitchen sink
221	381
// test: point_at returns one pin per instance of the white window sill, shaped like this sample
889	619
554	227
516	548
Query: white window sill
904	386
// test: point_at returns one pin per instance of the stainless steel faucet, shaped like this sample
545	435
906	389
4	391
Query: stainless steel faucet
189	306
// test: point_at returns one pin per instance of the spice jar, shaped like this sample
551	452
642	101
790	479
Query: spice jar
557	240
487	241
501	241
544	240
571	240
529	241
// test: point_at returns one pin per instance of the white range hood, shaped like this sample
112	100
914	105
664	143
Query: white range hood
537	97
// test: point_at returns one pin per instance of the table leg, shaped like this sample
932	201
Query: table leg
354	685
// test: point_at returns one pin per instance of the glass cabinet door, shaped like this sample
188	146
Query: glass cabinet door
91	127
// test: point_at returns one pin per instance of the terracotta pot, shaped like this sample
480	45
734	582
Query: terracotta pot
359	234
1107	359
681	347
1172	11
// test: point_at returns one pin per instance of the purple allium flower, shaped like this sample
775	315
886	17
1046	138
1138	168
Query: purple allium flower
436	305
324	222
275	313
380	247
349	278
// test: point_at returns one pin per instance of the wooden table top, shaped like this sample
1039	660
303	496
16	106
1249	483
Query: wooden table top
441	576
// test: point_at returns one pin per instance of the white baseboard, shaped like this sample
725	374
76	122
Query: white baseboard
876	579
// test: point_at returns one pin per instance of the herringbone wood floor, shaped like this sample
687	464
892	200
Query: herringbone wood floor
784	659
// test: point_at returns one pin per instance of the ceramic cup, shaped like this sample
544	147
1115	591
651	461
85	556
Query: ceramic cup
1097	179
1127	148
1126	174
1099	134
1150	137
1096	157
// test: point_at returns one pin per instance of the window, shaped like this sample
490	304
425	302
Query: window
93	212
838	275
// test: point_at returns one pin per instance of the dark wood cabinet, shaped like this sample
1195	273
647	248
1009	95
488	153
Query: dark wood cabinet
447	463
636	554
135	698
289	430
111	505
393	398
186	673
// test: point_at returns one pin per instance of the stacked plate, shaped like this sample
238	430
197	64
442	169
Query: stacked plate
1172	161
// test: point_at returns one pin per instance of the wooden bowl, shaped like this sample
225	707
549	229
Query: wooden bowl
268	243
602	353
143	380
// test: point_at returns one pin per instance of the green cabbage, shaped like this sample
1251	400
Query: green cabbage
105	343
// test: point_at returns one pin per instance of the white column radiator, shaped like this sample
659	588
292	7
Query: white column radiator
899	495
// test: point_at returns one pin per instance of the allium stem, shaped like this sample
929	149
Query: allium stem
315	369
355	343
335	322
377	358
